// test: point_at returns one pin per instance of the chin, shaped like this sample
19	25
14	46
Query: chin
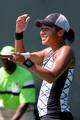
43	42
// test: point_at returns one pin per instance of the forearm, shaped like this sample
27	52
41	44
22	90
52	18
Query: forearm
43	73
19	46
20	111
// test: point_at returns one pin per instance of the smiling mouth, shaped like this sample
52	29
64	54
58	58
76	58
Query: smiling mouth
44	37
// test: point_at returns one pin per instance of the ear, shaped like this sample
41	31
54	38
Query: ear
60	33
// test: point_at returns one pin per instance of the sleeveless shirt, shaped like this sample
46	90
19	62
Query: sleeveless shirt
53	97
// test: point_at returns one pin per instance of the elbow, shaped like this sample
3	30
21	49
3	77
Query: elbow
51	78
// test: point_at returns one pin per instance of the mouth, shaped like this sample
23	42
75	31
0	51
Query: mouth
44	37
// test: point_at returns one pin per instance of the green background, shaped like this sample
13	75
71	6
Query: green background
11	9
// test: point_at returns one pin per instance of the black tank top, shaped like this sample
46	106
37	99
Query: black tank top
53	97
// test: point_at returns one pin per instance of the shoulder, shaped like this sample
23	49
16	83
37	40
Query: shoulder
22	69
67	47
66	53
23	74
2	69
66	50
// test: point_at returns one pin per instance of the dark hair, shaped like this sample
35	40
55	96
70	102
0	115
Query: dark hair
70	35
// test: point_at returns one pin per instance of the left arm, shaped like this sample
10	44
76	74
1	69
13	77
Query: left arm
63	59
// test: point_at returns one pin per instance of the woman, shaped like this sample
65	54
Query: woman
54	65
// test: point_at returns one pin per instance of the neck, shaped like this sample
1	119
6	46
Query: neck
11	68
56	45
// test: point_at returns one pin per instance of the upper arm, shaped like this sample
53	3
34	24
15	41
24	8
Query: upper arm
62	61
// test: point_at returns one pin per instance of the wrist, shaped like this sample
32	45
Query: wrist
26	55
19	36
28	63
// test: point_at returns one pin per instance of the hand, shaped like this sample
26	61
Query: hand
22	23
17	57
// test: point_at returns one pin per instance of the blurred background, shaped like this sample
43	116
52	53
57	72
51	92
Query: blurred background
11	9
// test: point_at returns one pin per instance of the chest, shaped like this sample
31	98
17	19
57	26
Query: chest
48	61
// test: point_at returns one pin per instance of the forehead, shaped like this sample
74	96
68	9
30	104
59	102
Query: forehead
47	28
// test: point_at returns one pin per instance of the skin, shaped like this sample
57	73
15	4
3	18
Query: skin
63	57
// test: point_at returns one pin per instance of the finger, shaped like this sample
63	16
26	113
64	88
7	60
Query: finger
15	53
25	15
27	19
22	17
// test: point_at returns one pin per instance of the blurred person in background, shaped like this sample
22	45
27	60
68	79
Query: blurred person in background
17	90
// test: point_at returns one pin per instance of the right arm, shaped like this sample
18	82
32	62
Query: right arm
21	25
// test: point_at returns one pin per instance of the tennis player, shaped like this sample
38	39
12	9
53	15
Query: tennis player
54	65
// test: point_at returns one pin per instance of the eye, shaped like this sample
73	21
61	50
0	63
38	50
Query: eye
44	28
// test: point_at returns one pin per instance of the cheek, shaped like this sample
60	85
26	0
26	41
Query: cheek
46	41
54	34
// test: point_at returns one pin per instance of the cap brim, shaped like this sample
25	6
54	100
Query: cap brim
39	23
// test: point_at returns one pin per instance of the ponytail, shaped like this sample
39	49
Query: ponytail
70	35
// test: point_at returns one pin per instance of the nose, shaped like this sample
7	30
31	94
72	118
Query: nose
42	32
